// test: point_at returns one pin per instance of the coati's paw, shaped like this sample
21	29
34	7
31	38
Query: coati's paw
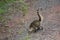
41	28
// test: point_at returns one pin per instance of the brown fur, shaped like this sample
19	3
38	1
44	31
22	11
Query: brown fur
35	25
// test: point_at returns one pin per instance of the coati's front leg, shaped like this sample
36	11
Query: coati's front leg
37	29
41	28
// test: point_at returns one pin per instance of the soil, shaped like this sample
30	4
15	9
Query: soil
18	24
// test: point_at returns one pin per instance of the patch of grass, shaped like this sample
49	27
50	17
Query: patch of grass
20	31
24	9
23	6
2	19
4	7
26	37
2	11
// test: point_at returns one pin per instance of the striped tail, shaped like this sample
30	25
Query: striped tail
38	15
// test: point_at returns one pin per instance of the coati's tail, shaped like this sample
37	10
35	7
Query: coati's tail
40	16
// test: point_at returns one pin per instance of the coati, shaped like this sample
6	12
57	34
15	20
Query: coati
35	25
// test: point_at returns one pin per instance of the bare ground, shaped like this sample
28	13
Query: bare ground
19	24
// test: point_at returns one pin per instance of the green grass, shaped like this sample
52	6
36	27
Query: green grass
26	37
4	7
23	6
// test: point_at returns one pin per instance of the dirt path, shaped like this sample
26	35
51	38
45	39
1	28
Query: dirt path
51	23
